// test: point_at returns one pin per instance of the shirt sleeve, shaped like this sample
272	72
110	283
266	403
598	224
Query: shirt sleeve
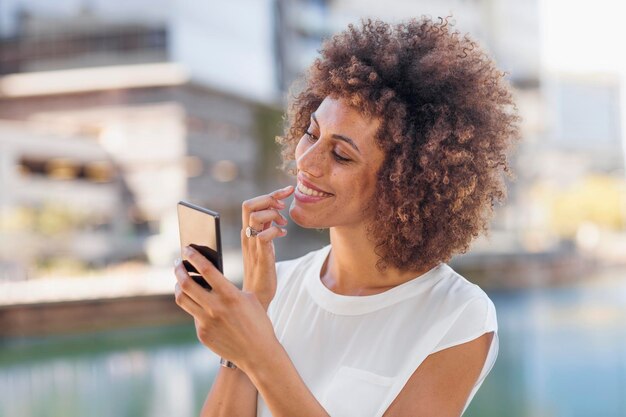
477	318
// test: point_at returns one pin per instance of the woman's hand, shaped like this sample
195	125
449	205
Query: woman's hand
234	325
230	322
259	257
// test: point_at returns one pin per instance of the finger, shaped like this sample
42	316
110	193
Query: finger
187	303
270	234
208	271
283	192
273	200
264	218
191	288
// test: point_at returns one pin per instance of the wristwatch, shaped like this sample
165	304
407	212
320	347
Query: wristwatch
227	364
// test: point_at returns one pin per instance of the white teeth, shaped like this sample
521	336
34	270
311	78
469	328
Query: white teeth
305	190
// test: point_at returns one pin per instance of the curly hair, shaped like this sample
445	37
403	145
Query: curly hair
447	123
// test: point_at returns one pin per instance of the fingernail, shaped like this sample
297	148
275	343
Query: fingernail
287	188
188	250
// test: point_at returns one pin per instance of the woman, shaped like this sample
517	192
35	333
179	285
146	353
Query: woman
399	139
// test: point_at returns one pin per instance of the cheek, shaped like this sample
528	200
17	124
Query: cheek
355	188
367	189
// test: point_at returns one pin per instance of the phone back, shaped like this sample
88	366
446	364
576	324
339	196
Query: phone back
200	228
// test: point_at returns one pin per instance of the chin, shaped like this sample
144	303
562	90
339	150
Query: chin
306	220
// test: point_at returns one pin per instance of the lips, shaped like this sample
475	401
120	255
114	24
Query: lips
311	186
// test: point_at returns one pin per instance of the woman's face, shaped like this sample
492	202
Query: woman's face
337	156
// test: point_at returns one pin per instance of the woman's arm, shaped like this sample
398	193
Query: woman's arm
442	383
232	394
234	324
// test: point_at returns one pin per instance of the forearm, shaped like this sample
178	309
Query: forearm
282	388
232	394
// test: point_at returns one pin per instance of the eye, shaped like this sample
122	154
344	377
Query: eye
310	136
340	158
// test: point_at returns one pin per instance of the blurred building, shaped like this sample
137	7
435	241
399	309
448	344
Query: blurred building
183	101
258	48
509	30
39	36
228	46
167	141
201	128
82	81
575	184
59	196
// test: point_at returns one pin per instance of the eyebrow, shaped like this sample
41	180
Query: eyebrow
340	137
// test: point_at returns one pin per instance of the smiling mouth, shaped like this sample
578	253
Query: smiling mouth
310	192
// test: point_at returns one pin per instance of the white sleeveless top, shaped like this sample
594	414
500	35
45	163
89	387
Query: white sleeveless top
356	353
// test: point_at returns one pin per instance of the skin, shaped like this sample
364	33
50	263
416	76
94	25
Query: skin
229	321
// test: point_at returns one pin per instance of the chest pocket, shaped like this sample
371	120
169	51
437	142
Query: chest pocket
355	392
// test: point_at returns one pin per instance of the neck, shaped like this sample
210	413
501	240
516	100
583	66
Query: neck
351	266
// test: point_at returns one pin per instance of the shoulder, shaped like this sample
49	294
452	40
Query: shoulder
460	310
458	287
458	296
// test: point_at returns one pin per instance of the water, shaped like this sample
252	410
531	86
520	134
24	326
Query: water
134	373
562	353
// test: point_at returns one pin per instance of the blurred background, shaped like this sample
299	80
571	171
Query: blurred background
113	111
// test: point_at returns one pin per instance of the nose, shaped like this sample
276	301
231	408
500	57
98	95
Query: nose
311	158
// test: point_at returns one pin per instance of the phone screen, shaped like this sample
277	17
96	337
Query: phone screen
200	228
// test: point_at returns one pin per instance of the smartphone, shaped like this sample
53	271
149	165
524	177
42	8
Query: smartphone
200	228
